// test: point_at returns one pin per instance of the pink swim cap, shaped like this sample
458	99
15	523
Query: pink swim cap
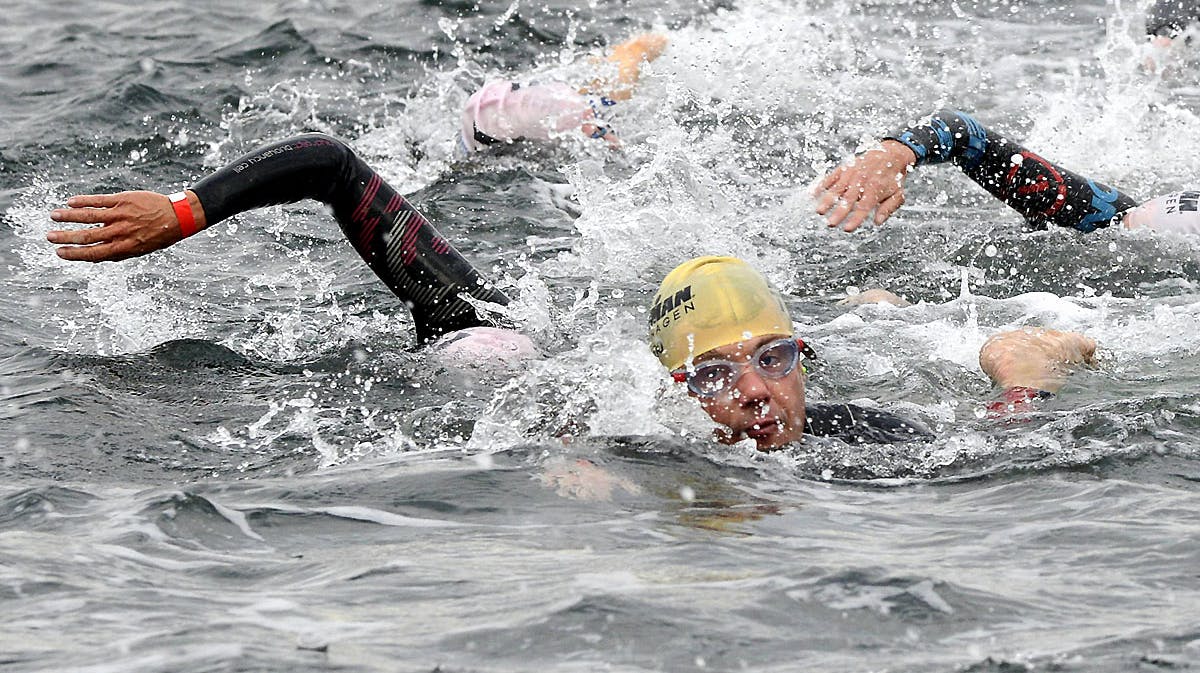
504	111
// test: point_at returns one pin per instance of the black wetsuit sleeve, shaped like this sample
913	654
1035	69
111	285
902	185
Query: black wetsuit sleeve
397	242
1171	17
856	425
1038	189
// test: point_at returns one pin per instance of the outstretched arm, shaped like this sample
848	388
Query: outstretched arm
397	242
1038	189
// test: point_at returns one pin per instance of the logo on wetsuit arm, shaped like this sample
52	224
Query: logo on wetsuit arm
672	307
1103	210
281	149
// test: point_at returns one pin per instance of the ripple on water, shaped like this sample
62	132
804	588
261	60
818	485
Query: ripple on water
226	457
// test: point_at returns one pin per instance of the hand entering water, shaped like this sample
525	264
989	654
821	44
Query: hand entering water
628	57
872	181
132	224
1035	358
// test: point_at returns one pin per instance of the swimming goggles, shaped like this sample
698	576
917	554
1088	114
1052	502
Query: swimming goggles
773	360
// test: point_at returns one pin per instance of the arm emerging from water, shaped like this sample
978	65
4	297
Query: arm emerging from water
1034	357
1027	364
397	242
1041	191
1032	363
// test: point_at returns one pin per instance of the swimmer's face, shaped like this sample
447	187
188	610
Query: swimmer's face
768	410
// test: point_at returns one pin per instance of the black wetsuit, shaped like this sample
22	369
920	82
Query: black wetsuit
1171	17
1038	189
855	425
397	242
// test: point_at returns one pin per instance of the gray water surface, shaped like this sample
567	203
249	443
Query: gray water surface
228	456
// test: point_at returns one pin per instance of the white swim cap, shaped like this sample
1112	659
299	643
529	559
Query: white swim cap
1173	214
476	346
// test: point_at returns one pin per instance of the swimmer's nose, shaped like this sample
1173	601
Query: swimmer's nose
751	388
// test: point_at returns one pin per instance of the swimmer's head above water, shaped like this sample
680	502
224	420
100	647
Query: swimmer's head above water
720	327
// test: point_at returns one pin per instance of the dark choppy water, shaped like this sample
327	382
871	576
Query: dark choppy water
224	457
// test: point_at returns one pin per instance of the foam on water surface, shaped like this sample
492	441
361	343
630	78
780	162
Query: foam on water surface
226	454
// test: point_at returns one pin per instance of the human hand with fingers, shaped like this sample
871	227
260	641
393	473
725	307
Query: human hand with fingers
872	181
628	57
131	224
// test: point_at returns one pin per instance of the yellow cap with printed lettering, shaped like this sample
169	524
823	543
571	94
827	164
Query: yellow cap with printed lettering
709	302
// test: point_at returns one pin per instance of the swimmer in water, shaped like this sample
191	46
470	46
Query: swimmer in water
412	258
1043	192
504	111
415	261
719	327
716	323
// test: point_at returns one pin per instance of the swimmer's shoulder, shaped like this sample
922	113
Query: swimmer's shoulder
854	424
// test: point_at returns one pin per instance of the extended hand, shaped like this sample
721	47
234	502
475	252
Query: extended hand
132	224
873	180
1034	358
628	57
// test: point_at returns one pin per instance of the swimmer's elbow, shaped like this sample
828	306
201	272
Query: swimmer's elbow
308	166
327	150
329	168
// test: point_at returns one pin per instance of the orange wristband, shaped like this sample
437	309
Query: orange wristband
183	213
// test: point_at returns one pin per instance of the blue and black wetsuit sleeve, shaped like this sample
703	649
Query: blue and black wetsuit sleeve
1038	189
416	262
1171	17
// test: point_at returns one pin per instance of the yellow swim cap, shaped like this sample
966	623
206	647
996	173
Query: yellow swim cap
709	302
